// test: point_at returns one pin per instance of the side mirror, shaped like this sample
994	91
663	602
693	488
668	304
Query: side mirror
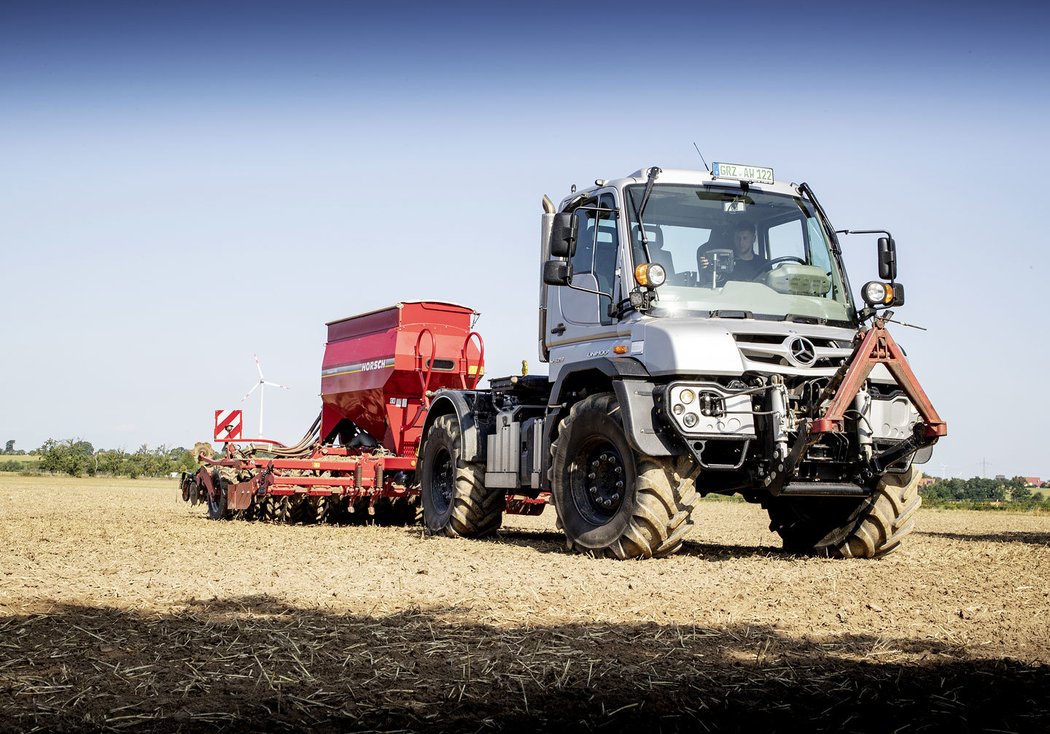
887	259
563	235
557	272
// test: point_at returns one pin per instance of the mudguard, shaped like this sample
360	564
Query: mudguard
638	408
461	403
634	392
622	368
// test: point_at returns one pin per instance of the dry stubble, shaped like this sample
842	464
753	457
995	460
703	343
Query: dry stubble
120	607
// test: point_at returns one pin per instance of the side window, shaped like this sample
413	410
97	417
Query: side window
606	247
583	259
819	253
787	240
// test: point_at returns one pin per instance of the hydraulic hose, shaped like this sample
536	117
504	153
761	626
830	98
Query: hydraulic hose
305	445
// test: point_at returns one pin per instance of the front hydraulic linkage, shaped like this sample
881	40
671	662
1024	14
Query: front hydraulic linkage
874	346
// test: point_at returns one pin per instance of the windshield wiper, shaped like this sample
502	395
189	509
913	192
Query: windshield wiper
639	211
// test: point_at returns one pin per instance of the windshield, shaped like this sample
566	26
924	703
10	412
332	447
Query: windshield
727	250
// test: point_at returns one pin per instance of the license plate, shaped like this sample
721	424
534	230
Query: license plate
742	172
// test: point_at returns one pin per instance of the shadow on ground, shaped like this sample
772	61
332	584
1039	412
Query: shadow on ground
1006	536
547	541
252	662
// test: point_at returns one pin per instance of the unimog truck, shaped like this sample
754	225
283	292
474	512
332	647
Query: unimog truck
701	337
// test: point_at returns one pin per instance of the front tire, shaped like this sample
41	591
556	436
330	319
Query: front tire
844	528
455	499
610	502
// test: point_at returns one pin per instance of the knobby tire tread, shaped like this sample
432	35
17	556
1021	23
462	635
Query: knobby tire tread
875	528
664	499
477	511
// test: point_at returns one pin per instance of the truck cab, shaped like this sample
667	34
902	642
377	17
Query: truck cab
789	276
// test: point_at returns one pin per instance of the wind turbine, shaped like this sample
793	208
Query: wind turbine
261	387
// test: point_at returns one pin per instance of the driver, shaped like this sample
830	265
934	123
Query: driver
747	264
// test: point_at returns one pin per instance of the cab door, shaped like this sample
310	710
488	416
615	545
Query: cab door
578	320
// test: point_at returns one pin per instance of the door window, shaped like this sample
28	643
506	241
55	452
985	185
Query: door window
597	249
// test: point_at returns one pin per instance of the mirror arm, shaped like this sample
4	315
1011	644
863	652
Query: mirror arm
588	290
863	231
614	308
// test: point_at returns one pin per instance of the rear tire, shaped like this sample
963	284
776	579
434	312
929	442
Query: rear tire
282	509
301	510
396	511
609	501
217	505
324	508
455	499
846	528
268	508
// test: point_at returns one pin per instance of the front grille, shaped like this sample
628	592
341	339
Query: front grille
774	350
759	338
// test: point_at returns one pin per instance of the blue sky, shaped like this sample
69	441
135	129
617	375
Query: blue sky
184	184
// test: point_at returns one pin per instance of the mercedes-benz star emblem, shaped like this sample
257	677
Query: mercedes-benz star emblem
802	351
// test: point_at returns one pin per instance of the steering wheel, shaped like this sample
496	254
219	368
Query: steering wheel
777	261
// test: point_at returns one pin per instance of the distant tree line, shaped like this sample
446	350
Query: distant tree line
981	490
79	458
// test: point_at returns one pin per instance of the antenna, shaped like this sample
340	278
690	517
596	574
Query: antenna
261	387
701	157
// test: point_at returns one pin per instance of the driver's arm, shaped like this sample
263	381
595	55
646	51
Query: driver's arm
702	261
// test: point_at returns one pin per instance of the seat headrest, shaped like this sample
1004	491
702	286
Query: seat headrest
653	233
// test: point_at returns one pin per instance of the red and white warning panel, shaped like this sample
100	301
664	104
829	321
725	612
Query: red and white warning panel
228	425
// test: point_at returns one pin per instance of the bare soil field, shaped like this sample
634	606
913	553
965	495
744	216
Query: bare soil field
124	609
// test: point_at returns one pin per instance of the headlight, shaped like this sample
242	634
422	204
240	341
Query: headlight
686	396
877	294
690	420
652	275
678	409
874	292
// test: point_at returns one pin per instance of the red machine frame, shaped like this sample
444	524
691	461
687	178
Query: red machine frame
378	373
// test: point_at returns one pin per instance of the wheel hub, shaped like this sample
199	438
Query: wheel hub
444	481
603	481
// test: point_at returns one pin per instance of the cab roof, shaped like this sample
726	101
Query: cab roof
682	176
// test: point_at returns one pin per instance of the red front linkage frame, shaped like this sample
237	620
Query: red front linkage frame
877	347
